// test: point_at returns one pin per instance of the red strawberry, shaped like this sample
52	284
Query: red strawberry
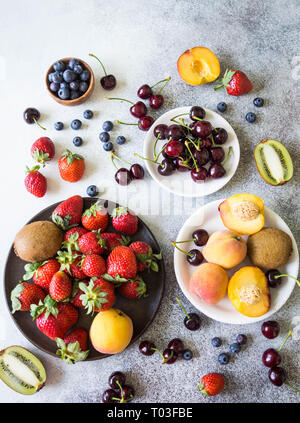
60	286
71	237
94	218
114	240
76	294
124	221
98	295
212	384
71	166
35	182
73	347
71	263
25	294
68	213
236	83
41	272
145	257
67	315
43	150
133	289
93	265
121	263
92	243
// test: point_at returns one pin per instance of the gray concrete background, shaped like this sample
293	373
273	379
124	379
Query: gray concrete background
140	41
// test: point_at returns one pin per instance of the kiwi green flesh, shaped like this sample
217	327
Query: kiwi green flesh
21	370
273	162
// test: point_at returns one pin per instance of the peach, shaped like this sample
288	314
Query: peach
209	282
225	248
111	331
198	65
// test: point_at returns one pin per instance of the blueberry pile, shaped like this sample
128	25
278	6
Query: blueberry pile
250	116
235	347
104	136
69	81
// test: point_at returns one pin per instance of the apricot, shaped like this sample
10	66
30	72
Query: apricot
209	282
111	331
249	292
198	65
243	213
225	248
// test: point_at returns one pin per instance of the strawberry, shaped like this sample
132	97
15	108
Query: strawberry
67	315
60	286
41	272
93	265
98	295
236	83
35	182
145	257
25	294
71	262
71	237
124	221
94	218
121	263
92	243
68	213
76	294
71	166
73	347
212	384
114	240
133	289
43	150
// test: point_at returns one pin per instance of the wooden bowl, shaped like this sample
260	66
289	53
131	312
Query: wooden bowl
80	99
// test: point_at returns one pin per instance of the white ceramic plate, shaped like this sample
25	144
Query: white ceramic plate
207	217
181	183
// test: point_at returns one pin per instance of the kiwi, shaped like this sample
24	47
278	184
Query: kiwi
21	370
273	162
269	248
38	241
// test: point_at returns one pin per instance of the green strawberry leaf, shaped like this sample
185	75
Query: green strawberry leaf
14	296
115	279
70	353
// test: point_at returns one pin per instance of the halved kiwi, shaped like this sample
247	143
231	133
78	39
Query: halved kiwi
21	370
273	162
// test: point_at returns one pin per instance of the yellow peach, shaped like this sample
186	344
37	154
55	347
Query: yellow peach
198	65
209	282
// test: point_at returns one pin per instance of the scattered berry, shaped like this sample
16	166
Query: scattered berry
76	124
87	114
212	384
222	107
120	140
147	348
42	150
187	355
108	82
107	126
258	102
223	358
235	348
270	329
77	141
104	137
58	126
176	345
71	166
116	380
192	320
250	117
92	191
241	339
216	342
35	182
32	115
108	146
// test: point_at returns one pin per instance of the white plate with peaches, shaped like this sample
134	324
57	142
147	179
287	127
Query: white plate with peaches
245	241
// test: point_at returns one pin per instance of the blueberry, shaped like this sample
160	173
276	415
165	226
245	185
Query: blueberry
73	63
54	86
107	126
59	66
74	94
74	85
120	140
258	102
235	348
104	137
241	339
77	141
64	85
88	114
216	342
59	126
85	75
83	86
187	355
76	124
64	93
69	75
250	117
222	107
92	191
77	69
56	77
223	358
50	76
108	146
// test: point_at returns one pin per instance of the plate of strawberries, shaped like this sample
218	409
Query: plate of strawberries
101	259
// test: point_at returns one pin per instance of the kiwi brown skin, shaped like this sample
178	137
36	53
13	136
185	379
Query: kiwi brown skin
38	241
269	248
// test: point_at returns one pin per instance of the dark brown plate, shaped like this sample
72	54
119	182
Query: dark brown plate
141	311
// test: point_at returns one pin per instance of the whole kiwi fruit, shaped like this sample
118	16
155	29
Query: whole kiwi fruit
269	248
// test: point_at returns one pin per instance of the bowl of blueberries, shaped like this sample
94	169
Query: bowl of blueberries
70	81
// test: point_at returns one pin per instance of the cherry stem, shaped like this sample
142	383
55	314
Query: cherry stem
181	123
149	160
167	81
288	276
183	309
161	354
213	141
180	242
35	121
286	338
112	159
154	147
99	62
181	114
182	251
113	155
124	123
162	80
197	118
193	158
121	99
196	146
156	157
293	387
227	156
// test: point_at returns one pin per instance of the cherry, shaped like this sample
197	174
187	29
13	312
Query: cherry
174	148
181	165
177	346
192	320
116	380
144	92
108	82
217	154
206	142
203	128
199	175
220	135
156	101
270	329
271	358
145	122
194	257
200	237
125	393
202	156
160	130
277	376
138	109
32	115
109	396
216	171
197	112
137	171
169	356
175	132
166	168
165	155
274	278
192	128
147	348
123	176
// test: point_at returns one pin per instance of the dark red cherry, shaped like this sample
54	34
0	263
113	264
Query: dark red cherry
206	142
123	176
144	92
270	329
147	348
169	356
216	171
192	321
31	115
181	165
108	82
161	131
195	257
167	167
177	346
145	123
220	135
200	175
175	132
137	171
174	148
272	276
125	394
138	110
156	101
217	154
271	358
277	376
116	379
200	237
202	156
198	112
108	396
203	128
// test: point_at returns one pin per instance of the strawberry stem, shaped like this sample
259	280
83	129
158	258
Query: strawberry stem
92	55
183	309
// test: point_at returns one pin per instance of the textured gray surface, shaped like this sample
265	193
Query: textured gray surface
140	42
